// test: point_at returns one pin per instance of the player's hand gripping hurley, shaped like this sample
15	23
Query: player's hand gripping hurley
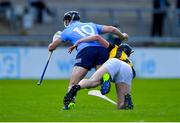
42	76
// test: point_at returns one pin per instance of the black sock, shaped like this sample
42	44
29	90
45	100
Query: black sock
78	87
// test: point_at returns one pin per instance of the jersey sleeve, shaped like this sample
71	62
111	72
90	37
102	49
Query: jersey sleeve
99	28
57	35
64	36
113	52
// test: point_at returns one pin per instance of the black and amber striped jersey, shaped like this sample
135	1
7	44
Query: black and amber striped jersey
117	52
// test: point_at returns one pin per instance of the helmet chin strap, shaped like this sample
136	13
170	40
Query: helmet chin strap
70	21
65	24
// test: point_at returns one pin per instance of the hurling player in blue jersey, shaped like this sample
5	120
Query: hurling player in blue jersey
89	54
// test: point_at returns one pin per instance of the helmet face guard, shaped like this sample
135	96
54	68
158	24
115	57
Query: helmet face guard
70	16
126	48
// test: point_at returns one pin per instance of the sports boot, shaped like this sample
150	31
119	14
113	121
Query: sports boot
106	85
128	104
69	98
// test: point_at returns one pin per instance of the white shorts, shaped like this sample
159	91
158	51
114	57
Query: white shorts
119	70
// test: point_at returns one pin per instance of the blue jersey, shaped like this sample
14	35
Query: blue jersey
77	30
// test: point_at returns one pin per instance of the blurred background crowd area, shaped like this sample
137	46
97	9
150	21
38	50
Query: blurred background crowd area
33	22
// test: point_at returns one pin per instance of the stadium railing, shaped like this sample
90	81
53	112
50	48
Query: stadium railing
44	40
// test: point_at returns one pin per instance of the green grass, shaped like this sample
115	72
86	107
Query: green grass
23	100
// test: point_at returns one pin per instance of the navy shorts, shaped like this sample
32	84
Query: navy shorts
91	56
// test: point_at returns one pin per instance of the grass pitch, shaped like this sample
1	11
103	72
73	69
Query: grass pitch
22	100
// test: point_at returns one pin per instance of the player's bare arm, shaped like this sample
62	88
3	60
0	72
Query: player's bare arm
98	38
55	42
52	46
116	31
